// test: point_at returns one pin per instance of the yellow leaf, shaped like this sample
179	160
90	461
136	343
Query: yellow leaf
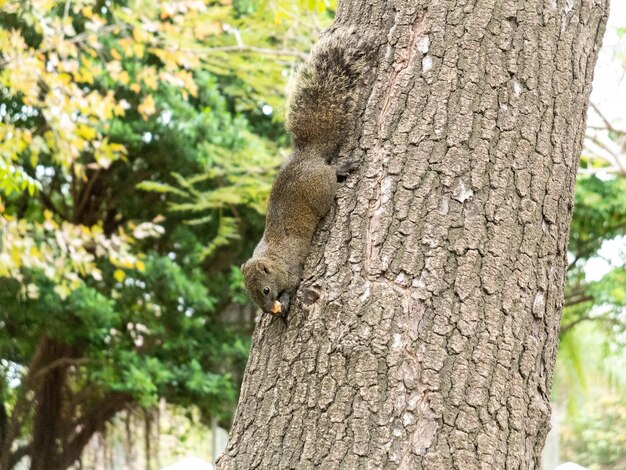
149	77
119	275
34	158
138	49
140	35
86	132
205	29
123	77
84	75
140	266
279	17
62	290
147	107
16	257
128	264
126	44
118	110
35	253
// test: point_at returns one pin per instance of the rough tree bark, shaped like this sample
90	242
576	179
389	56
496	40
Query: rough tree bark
441	268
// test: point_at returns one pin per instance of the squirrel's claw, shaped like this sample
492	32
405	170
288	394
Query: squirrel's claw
345	169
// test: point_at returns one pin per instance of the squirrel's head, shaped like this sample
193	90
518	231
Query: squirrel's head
262	279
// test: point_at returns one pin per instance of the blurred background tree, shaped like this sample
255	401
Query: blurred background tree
137	147
138	142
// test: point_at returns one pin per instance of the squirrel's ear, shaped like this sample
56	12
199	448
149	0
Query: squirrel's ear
262	267
242	266
245	268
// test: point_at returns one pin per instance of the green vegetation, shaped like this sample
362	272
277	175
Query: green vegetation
590	385
597	438
137	148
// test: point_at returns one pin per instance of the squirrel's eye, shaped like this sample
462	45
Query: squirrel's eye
266	290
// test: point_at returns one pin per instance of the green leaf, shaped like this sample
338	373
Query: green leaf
160	188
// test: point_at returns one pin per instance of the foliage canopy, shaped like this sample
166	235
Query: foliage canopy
138	140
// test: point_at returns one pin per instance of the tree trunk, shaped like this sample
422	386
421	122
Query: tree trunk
57	442
441	268
47	418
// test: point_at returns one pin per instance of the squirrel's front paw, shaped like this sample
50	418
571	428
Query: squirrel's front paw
345	169
284	302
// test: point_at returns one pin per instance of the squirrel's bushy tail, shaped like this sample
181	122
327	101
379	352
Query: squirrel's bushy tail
323	93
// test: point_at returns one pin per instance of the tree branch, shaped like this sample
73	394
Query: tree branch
572	324
607	123
47	202
84	196
81	38
66	10
61	362
252	49
92	422
577	300
619	168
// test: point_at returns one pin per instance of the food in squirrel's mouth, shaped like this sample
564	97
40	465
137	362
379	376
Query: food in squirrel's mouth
277	307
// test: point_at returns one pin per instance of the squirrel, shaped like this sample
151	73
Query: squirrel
318	112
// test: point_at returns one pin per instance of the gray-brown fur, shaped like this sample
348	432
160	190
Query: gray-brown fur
323	94
305	187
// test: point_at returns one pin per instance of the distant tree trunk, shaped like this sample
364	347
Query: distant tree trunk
57	443
441	269
47	416
151	419
3	419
